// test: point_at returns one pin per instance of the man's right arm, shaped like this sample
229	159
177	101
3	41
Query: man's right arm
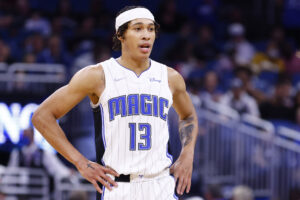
87	82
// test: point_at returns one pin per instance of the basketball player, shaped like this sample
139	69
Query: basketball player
134	94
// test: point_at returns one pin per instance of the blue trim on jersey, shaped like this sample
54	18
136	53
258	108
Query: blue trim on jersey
132	70
169	156
103	130
167	153
102	195
176	197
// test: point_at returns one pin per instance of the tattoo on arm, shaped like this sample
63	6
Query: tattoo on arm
186	128
90	166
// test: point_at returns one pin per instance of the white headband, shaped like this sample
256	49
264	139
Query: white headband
136	13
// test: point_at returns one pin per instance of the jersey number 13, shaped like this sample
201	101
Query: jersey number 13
144	131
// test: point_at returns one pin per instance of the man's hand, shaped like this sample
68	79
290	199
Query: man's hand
182	171
93	172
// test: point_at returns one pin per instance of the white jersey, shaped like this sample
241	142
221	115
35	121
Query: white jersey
134	113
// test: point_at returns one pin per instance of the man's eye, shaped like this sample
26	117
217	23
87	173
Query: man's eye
151	29
137	29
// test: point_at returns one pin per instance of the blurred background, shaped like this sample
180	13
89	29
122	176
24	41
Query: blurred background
241	63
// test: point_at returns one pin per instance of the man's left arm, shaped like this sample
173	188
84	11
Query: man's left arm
188	131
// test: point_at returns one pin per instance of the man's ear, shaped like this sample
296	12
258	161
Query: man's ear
120	37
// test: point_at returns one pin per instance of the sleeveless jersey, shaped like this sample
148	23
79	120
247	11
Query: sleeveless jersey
134	111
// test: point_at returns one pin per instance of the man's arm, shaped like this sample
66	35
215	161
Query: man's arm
188	131
87	82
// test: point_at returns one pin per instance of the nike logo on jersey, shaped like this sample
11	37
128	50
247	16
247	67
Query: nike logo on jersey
119	79
154	80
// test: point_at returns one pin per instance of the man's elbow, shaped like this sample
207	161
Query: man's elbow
36	118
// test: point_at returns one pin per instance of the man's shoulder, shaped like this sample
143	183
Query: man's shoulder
173	73
88	78
91	70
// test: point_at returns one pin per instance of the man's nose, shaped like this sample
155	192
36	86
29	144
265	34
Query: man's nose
146	35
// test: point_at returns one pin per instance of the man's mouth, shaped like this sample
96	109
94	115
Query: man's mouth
145	48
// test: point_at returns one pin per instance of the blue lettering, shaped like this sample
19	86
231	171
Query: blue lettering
155	107
146	107
133	104
116	107
162	104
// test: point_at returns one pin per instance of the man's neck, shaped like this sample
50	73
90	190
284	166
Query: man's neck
136	65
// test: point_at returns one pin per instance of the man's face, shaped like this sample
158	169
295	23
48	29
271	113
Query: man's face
139	38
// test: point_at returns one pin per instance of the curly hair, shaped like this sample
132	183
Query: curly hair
122	29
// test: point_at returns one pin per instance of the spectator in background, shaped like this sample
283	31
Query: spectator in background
34	44
168	17
99	53
64	9
64	18
6	20
19	84
278	37
180	53
245	74
55	53
181	50
238	47
85	35
205	48
213	192
238	99
210	90
30	155
29	58
271	60
206	12
21	12
36	23
193	89
57	26
98	11
242	193
292	61
5	53
280	104
86	30
287	50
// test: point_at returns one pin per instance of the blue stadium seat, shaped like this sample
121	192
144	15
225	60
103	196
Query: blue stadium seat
260	45
225	78
296	78
268	77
